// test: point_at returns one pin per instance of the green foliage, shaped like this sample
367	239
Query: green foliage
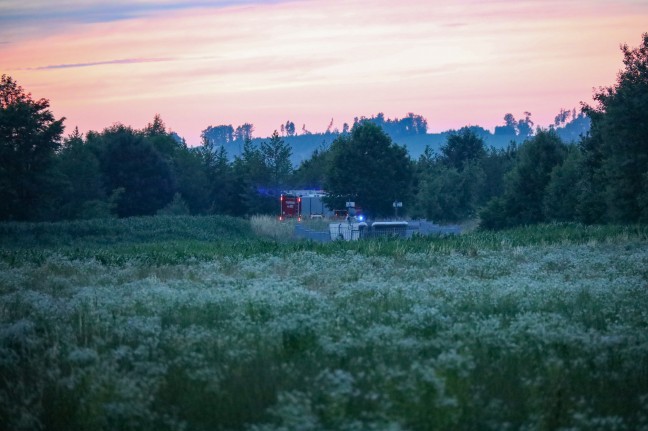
495	215
462	148
536	159
131	161
456	184
526	184
192	178
369	168
561	200
496	165
191	168
251	178
29	139
81	192
218	175
276	156
618	148
311	173
447	194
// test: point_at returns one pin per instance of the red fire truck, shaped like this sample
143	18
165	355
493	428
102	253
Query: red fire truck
290	206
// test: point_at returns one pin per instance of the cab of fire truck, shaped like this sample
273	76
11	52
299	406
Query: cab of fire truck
290	206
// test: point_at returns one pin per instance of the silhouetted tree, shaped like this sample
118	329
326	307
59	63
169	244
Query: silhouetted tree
448	186
290	128
250	182
525	126
192	179
525	186
189	178
617	152
411	125
561	201
572	126
497	163
311	173
461	148
218	172
369	168
414	124
220	135
446	194
509	129
244	133
29	139
81	194
156	128
276	156
132	163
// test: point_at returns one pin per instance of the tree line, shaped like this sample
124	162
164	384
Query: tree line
410	131
123	172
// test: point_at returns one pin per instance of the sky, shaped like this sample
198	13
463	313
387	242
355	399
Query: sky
205	63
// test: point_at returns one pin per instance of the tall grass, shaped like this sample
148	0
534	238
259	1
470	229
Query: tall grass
121	231
180	240
272	227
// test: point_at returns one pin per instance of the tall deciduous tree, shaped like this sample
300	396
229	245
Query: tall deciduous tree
525	186
244	133
130	162
290	128
219	135
449	187
617	152
446	194
509	130
188	173
29	139
369	168
311	173
462	148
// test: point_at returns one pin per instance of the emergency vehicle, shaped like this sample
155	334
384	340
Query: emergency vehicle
290	206
305	204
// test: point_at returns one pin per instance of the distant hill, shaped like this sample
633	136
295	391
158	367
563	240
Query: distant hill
304	145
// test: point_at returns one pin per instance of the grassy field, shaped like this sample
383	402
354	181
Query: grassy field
213	323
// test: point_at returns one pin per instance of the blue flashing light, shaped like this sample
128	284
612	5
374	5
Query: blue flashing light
360	218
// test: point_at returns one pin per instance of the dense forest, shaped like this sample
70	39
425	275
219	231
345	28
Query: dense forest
591	166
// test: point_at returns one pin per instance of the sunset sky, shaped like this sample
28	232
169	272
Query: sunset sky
199	63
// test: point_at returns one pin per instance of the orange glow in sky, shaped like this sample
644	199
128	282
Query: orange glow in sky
202	63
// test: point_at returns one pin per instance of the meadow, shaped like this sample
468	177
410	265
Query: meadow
210	323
